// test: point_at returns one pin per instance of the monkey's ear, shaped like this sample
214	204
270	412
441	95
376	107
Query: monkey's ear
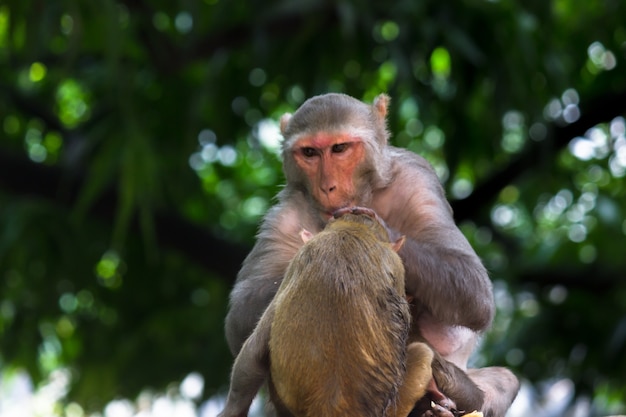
398	243
284	121
305	235
381	102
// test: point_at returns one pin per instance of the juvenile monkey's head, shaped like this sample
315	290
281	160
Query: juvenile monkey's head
334	150
361	221
353	247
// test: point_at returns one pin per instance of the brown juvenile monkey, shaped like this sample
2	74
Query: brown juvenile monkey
446	376
333	341
335	155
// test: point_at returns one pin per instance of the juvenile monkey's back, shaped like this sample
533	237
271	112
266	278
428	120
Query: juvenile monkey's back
338	338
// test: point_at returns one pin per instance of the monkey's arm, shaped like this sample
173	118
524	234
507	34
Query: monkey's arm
251	368
443	272
262	271
450	283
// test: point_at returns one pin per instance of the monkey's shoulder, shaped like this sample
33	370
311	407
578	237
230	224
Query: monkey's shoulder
284	221
404	160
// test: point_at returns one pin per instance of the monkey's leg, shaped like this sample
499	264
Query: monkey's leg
434	404
418	375
500	386
251	368
457	385
450	393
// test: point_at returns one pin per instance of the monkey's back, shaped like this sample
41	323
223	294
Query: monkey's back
338	338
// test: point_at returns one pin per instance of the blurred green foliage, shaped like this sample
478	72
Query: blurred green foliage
139	149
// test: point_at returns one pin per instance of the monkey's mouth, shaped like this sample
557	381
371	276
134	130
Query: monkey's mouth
337	212
330	212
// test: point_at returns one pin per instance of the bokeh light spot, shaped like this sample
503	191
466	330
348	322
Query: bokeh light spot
184	22
440	62
37	72
67	24
11	125
192	386
389	31
161	21
257	77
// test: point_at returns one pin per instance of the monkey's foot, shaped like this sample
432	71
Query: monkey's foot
435	404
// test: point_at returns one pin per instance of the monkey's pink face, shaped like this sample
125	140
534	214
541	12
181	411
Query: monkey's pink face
330	163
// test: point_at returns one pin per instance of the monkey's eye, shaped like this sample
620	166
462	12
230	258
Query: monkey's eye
308	152
339	147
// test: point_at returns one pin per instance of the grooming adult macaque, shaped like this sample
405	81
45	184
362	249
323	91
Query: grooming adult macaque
333	341
336	155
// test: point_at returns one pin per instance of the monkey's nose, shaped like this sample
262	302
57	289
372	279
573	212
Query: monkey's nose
327	189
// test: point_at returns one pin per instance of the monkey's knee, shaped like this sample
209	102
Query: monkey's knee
418	352
419	358
496	380
500	386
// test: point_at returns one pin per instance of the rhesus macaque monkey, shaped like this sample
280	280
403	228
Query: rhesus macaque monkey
333	341
336	155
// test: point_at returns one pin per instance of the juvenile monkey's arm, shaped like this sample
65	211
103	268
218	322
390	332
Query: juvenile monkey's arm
251	368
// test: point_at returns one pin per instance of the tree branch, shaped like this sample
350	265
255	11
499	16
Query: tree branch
599	110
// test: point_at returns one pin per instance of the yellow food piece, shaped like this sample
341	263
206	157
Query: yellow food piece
474	414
